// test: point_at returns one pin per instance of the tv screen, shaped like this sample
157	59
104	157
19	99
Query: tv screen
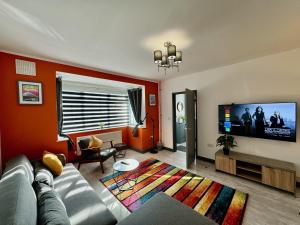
267	120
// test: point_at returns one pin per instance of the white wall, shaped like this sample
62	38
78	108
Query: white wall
272	78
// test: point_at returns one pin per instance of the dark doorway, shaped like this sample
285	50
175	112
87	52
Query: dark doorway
180	119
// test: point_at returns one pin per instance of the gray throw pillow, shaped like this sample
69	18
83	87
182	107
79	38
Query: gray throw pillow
51	210
42	174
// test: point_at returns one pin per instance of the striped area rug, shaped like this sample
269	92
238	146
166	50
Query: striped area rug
220	203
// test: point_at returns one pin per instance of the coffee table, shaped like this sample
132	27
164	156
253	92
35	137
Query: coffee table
126	168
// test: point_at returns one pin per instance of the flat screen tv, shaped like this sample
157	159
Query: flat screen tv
266	120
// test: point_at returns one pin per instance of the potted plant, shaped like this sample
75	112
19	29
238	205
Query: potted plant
101	125
227	142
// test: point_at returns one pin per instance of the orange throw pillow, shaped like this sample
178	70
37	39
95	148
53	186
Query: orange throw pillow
95	143
53	163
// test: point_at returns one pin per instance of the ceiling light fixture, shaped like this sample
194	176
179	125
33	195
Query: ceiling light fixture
172	59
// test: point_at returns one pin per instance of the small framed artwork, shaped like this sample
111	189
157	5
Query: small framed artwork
152	100
30	93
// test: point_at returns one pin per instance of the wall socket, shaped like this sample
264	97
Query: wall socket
210	145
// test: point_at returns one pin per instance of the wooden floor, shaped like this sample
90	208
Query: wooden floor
266	206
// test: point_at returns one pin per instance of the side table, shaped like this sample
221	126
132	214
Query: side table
121	150
126	167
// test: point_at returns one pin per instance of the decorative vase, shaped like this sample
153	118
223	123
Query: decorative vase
226	151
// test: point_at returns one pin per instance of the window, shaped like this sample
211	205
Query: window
83	111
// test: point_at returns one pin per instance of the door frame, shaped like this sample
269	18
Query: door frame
174	149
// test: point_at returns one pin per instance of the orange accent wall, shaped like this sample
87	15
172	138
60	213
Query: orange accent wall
31	129
0	156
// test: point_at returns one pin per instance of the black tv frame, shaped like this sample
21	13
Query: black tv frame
296	109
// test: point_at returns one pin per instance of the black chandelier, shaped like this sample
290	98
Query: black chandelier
170	60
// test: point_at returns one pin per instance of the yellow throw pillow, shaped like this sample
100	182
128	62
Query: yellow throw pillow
95	143
53	163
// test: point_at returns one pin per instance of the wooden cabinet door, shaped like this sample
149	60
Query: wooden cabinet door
225	164
278	178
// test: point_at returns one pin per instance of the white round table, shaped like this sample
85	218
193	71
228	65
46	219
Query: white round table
126	165
124	169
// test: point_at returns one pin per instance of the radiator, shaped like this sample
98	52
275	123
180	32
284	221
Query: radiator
115	137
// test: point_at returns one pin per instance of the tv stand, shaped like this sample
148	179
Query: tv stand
272	172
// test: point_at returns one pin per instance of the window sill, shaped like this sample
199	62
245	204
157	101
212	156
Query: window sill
140	126
87	131
60	138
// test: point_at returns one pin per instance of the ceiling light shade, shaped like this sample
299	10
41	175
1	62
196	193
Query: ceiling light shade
157	56
164	61
178	58
171	51
169	60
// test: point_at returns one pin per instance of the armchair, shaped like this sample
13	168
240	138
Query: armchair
90	155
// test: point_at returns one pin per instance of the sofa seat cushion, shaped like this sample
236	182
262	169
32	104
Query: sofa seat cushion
165	210
19	164
107	153
102	155
82	203
18	205
90	155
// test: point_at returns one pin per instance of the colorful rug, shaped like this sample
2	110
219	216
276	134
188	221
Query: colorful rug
220	203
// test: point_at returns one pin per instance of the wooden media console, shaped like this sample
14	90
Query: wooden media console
272	172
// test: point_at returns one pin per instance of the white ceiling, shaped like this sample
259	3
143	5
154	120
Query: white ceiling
120	36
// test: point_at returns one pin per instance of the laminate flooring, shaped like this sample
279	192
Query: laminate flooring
265	206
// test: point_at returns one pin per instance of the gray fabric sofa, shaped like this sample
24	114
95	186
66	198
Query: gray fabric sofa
165	210
18	204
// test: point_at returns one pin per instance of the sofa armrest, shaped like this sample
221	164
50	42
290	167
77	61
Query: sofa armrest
165	210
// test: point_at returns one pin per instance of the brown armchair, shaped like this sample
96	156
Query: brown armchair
90	155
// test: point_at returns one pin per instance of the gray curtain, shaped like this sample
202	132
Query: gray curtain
135	99
60	113
59	104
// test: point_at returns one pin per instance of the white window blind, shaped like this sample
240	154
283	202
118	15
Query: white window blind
83	111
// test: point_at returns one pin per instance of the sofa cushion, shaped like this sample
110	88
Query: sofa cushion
17	201
19	164
107	153
53	163
163	209
84	143
95	143
83	204
42	174
51	210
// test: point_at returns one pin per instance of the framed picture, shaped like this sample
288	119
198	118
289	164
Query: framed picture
152	99
30	93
